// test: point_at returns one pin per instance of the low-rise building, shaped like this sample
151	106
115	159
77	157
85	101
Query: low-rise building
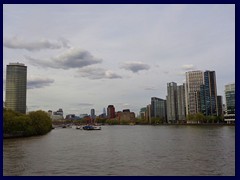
57	115
125	115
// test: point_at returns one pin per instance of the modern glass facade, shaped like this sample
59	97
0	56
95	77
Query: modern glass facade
219	105
208	94
230	98
16	87
181	109
176	110
158	108
172	108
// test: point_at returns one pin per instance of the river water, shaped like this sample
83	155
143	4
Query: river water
124	151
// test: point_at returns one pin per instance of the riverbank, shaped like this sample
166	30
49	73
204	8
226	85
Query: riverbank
18	135
21	135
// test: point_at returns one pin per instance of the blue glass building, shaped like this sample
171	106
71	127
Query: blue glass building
208	94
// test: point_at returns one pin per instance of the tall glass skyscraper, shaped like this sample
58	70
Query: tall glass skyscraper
172	102
93	116
181	107
230	98
16	87
230	103
208	94
175	103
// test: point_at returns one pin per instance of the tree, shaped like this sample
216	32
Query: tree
17	124
199	117
210	119
112	121
220	119
156	121
190	117
41	122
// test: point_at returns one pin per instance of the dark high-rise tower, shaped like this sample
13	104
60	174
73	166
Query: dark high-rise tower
208	94
93	116
158	108
111	112
172	102
175	103
16	87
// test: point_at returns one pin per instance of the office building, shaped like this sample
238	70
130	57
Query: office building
176	112
92	114
194	79
219	106
158	108
208	94
148	114
181	107
143	112
16	87
111	112
229	117
230	98
171	102
57	115
126	115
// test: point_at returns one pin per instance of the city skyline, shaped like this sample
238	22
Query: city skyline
115	54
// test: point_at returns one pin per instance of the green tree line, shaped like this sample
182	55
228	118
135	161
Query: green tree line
34	123
200	118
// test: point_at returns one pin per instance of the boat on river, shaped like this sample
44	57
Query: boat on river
91	127
79	127
97	127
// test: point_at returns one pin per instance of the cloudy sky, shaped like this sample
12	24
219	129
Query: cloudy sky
81	57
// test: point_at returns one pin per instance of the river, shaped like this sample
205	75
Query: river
169	150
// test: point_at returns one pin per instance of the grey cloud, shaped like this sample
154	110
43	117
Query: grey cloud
17	43
73	58
98	73
38	62
135	66
65	42
39	83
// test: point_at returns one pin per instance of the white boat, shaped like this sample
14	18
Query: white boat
97	127
78	127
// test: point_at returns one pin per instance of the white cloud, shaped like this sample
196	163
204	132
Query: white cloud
97	73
